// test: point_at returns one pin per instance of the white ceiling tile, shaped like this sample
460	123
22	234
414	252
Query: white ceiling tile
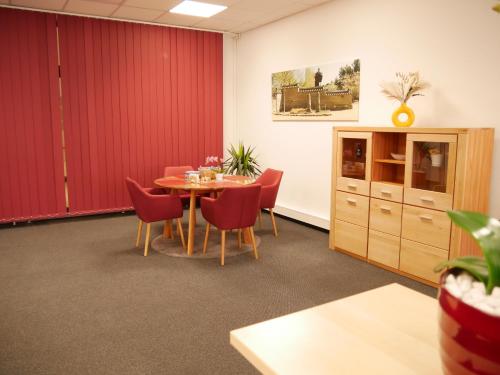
314	2
152	4
177	19
221	24
240	16
262	5
92	8
41	4
221	2
137	13
108	1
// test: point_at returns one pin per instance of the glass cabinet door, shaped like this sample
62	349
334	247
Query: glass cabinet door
430	172
354	155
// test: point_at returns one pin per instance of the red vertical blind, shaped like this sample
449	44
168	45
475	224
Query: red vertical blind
31	161
136	98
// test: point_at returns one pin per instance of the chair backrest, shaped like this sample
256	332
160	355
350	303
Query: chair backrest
270	181
138	197
174	171
238	207
153	207
270	177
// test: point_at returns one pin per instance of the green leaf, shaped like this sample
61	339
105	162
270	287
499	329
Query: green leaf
474	265
486	232
241	161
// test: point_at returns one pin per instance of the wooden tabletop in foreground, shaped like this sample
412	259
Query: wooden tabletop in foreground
388	330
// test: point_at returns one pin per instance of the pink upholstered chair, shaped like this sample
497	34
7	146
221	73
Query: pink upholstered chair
236	208
151	206
270	181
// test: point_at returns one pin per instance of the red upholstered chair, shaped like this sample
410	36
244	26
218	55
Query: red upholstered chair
175	171
236	208
270	181
151	207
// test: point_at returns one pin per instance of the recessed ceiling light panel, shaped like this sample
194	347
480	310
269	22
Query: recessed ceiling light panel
197	9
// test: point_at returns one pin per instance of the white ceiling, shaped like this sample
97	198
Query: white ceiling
240	16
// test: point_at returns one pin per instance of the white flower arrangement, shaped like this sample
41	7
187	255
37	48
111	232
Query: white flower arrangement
407	86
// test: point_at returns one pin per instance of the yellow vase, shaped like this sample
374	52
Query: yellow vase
403	109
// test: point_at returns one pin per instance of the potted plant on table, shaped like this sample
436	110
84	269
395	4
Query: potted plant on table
469	299
241	161
214	164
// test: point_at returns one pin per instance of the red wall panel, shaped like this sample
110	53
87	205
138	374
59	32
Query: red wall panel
31	160
135	99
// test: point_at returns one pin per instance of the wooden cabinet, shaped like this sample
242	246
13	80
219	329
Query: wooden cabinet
391	188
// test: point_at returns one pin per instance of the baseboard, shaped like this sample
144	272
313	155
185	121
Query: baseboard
303	217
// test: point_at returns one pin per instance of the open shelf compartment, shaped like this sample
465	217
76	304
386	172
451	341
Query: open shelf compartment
385	167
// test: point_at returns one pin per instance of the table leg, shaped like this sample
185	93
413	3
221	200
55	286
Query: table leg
167	229
192	222
247	236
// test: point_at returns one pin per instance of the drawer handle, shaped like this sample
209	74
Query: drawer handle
427	199
385	208
386	192
351	185
351	200
426	217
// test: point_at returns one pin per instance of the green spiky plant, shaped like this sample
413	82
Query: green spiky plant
486	232
241	161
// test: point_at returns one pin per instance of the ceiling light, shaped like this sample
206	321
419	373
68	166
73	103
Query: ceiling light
198	9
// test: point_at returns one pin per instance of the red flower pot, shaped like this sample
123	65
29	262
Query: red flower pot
469	338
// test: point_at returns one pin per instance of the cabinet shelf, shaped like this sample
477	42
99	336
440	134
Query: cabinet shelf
390	161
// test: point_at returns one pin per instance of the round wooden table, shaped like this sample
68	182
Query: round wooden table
176	183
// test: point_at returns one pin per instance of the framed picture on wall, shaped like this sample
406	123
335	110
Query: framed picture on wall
328	92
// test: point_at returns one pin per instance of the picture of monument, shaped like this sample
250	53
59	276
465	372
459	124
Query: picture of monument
328	92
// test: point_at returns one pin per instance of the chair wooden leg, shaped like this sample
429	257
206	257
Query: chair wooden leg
260	218
207	232
222	246
181	233
139	232
148	233
275	229
255	253
239	238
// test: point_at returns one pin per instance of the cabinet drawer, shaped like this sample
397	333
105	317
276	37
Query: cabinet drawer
427	226
391	192
385	216
350	237
383	248
351	208
353	185
419	260
429	199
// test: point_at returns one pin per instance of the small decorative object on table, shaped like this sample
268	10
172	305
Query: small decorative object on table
469	299
407	86
213	165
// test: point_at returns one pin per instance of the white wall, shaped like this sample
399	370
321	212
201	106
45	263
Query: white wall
455	44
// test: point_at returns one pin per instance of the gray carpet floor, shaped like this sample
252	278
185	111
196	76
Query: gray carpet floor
77	297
